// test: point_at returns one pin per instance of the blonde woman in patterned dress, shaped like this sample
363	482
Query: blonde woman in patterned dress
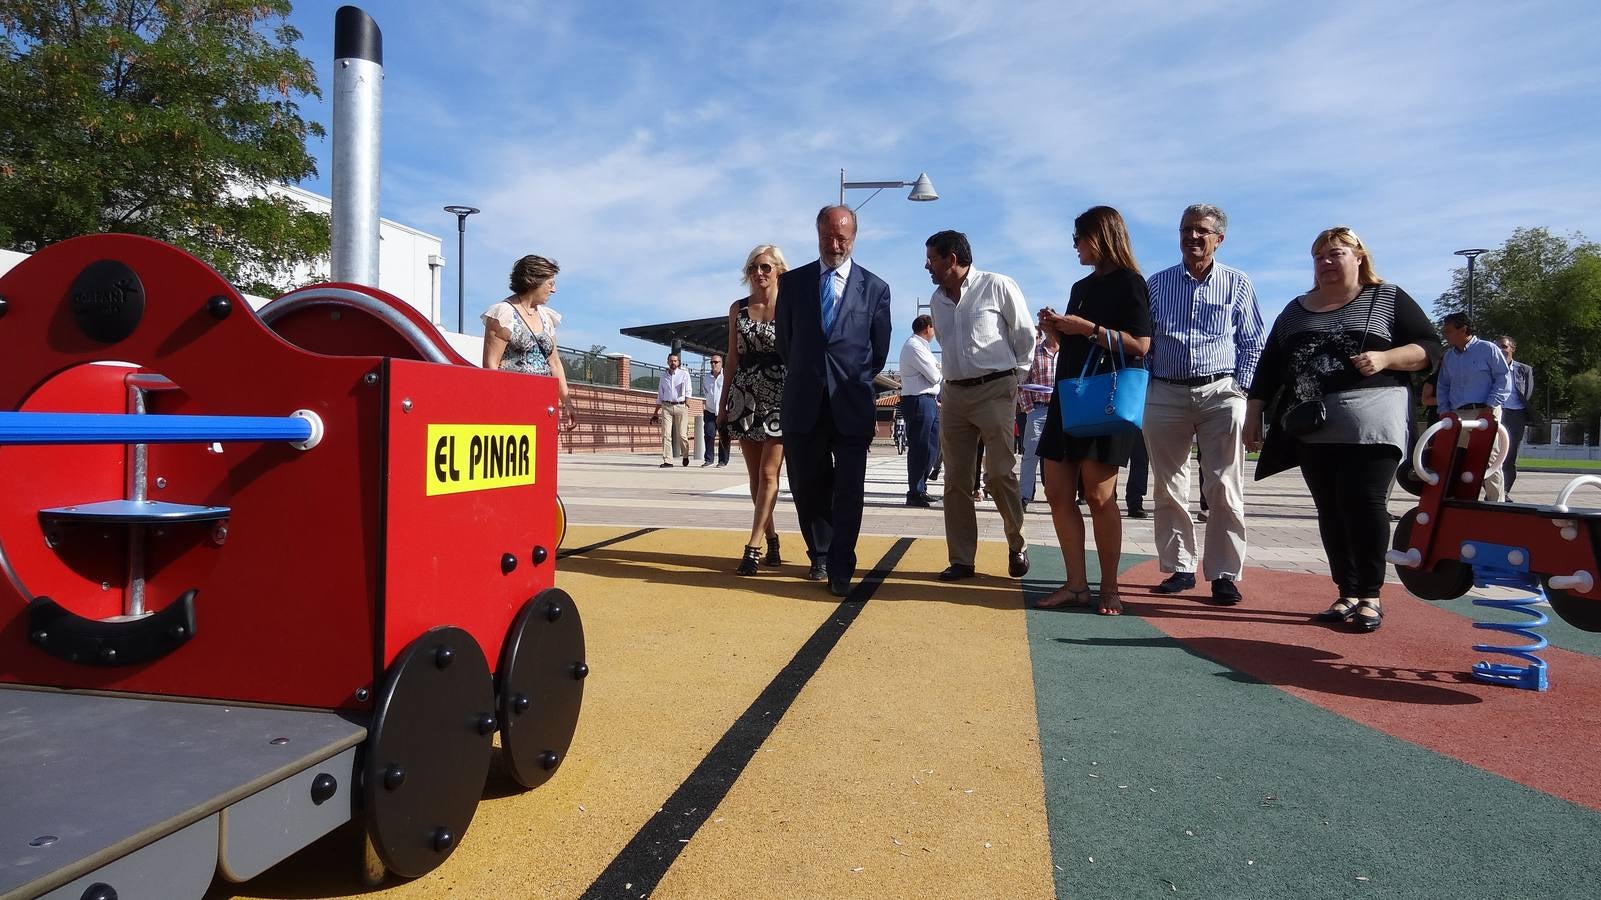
520	331
750	405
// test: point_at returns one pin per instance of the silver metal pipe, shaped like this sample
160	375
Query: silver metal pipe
133	601
358	111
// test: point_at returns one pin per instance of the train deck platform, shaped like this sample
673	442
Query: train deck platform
756	737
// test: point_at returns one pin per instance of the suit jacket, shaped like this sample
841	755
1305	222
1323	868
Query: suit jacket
1523	383
840	365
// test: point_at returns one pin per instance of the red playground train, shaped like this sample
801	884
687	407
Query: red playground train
260	574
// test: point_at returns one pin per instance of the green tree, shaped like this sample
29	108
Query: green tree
1544	291
1586	387
164	118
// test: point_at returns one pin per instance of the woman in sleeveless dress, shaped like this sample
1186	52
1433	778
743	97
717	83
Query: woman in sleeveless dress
1110	307
750	405
520	331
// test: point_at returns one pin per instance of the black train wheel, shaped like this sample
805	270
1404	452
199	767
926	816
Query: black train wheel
1450	579
1579	612
542	673
428	751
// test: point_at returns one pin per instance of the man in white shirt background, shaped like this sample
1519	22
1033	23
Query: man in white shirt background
920	381
711	389
672	402
987	338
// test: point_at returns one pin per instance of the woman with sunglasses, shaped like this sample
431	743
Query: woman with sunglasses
750	405
1110	307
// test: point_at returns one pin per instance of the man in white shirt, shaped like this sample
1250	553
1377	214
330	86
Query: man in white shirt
987	335
672	401
711	390
920	380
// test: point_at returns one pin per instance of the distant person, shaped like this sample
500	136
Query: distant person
920	386
750	406
1518	411
1034	402
987	338
520	331
711	391
1349	344
1474	382
1429	396
833	335
672	412
1207	335
1110	307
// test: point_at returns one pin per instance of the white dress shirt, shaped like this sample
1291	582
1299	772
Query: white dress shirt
841	275
919	369
673	387
711	388
990	330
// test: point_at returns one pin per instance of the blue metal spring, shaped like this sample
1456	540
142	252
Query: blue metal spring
1509	569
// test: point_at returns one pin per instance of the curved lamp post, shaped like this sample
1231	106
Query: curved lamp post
1471	255
922	188
461	213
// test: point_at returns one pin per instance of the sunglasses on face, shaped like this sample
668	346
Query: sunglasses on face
764	268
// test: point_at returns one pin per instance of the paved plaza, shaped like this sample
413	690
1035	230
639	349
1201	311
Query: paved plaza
633	490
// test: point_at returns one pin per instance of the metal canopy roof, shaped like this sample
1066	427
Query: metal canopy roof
709	336
703	336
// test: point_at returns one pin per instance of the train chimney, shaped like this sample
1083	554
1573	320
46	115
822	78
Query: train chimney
358	113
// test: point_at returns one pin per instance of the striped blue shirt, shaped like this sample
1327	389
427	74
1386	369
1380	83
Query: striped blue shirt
1204	327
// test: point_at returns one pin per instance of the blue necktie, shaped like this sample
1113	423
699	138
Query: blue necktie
829	301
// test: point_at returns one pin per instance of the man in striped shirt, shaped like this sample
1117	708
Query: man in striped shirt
1206	338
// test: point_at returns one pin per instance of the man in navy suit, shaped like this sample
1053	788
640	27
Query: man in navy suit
833	335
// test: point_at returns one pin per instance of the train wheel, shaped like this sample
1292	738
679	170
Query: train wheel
561	521
1582	614
428	751
542	673
1450	579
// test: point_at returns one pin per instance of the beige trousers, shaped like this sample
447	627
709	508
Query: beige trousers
969	415
675	431
1494	481
1212	415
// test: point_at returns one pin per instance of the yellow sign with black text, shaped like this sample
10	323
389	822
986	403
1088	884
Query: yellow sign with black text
464	458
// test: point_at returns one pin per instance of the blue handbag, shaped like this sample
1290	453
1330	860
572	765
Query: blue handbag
1105	403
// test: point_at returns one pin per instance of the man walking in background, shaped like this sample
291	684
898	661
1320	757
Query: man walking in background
672	411
1473	384
711	390
920	383
1518	411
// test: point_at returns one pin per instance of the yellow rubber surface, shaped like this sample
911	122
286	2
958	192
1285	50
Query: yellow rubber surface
908	765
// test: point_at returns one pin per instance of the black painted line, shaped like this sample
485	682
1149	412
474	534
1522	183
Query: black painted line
641	865
563	554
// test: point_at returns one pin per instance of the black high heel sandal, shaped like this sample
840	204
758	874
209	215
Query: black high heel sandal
772	558
747	563
1368	615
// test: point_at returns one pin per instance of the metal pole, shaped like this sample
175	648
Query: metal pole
461	274
841	187
357	109
461	213
1470	288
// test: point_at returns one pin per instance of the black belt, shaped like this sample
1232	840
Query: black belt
982	379
1197	381
1472	406
674	403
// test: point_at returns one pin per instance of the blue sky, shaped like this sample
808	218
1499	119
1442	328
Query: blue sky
648	146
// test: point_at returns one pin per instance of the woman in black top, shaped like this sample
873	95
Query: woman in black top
1111	303
1348	344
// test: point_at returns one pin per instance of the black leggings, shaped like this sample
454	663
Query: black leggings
1349	485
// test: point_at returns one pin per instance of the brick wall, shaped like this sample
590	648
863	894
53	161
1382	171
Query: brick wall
617	420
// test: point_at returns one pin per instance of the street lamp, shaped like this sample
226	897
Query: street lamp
461	213
922	188
1471	255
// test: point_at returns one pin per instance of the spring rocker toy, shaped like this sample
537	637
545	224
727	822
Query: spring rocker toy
260	575
1452	541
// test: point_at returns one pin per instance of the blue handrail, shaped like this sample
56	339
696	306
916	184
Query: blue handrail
39	428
